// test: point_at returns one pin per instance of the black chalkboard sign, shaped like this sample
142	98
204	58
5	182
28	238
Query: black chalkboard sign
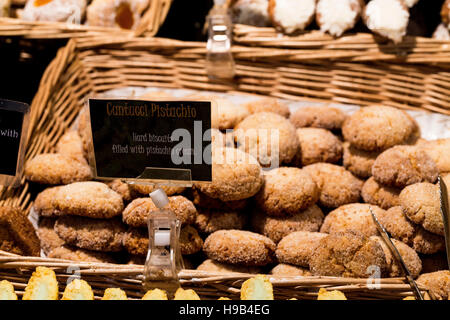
13	125
151	140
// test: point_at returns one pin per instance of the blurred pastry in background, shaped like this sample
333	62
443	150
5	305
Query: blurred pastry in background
441	33
291	15
71	11
250	12
388	18
445	13
338	16
124	14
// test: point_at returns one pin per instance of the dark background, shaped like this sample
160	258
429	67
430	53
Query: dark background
20	75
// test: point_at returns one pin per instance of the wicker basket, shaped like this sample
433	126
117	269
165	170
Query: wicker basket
149	25
208	285
89	66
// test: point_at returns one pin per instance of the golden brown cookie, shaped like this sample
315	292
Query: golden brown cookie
91	234
122	188
298	247
139	210
439	151
354	216
403	229
224	113
286	191
401	166
421	204
377	194
268	105
337	186
283	269
239	247
17	234
43	204
317	145
53	168
276	228
324	117
218	267
409	256
445	13
199	199
437	282
377	128
348	254
80	255
49	239
236	175
268	137
136	241
88	199
210	220
71	145
84	129
358	162
250	12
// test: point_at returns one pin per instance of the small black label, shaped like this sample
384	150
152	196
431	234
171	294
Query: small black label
152	140
11	123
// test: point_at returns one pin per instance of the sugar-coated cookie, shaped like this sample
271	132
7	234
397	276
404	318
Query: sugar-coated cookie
268	105
421	204
380	195
298	247
409	256
324	117
43	204
136	214
317	145
123	189
276	228
239	247
146	189
337	186
199	199
354	216
53	168
358	162
439	152
219	267
401	228
236	175
88	199
348	254
17	234
287	191
47	236
210	220
437	282
401	166
269	137
71	145
91	234
378	128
